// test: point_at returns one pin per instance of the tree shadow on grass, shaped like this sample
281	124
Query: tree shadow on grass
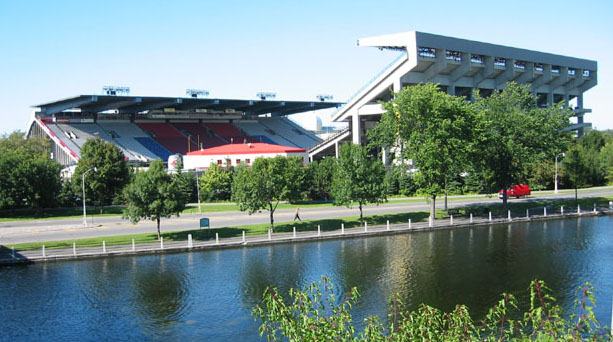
301	226
530	204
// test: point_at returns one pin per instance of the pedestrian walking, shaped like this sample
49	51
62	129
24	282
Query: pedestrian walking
297	216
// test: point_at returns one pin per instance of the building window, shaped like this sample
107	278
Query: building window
219	161
238	161
248	161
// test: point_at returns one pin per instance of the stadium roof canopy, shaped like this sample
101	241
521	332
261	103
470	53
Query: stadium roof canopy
138	104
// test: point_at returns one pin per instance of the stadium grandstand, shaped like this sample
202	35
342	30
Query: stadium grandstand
459	66
152	128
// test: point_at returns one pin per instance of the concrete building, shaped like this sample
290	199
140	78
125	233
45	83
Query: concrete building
460	66
234	154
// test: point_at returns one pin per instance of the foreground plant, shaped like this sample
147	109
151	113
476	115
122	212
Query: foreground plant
315	314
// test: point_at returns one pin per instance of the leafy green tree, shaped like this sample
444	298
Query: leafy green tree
358	178
595	168
111	176
575	167
517	135
17	142
216	183
314	313
434	129
321	173
28	177
153	194
606	156
267	182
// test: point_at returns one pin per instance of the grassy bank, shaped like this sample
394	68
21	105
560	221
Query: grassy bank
518	209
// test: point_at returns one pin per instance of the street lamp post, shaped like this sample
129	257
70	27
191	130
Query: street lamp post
83	185
555	185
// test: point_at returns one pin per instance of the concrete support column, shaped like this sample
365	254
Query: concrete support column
385	156
566	100
549	99
397	86
580	101
451	89
580	117
356	130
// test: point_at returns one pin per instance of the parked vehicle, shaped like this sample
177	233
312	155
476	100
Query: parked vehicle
517	191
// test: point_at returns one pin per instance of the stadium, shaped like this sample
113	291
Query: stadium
152	128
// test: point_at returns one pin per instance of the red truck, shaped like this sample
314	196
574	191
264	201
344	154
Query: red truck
517	191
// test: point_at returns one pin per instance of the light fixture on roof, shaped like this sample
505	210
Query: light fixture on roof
324	97
114	90
266	95
196	93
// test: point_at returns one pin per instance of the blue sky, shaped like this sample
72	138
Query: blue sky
56	49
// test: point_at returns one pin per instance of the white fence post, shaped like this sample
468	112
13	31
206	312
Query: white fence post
594	207
430	221
342	228
318	230
490	216
562	210
510	218
217	238
365	226
527	213
451	220
578	209
133	246
471	217
545	211
74	248
104	247
161	242
388	225
44	251
190	242
294	232
410	224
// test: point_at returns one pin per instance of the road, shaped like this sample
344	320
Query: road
15	232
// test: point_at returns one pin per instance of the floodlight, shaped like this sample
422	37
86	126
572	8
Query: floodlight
324	97
114	90
196	93
266	95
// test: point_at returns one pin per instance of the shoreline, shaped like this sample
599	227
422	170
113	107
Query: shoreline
9	257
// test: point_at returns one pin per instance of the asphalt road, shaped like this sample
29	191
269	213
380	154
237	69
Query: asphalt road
15	232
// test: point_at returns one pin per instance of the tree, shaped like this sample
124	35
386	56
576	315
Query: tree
434	129
575	167
358	178
111	176
153	194
28	177
321	173
267	182
316	313
216	183
517	135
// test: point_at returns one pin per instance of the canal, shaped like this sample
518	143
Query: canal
208	295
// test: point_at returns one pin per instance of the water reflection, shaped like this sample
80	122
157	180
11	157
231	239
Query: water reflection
208	295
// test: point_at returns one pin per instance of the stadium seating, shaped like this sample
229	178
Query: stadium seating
197	130
168	136
154	147
290	131
254	128
65	138
124	134
229	132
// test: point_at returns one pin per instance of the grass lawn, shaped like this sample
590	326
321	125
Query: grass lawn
519	208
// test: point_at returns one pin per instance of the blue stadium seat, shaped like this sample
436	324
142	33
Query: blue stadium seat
154	147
